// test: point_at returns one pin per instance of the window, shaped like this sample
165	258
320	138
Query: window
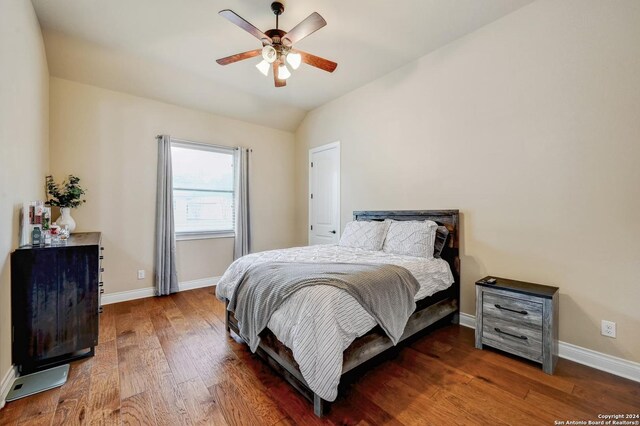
203	198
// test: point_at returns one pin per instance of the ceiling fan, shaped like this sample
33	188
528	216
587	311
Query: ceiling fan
277	45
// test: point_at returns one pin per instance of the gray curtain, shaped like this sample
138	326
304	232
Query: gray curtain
242	244
165	255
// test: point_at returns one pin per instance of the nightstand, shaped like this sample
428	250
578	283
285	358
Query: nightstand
520	318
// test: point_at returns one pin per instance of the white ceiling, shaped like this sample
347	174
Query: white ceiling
166	49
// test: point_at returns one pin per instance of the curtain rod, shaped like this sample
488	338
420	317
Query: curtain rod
199	143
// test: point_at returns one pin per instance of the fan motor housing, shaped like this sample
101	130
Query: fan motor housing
275	35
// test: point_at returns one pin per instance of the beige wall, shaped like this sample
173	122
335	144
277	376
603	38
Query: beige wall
530	126
108	139
24	149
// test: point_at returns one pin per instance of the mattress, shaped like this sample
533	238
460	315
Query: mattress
318	323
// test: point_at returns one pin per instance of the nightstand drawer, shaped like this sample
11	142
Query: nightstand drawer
516	339
517	312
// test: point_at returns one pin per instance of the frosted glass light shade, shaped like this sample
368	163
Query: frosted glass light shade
263	67
283	72
269	54
294	59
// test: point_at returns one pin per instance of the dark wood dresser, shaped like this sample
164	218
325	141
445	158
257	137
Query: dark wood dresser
55	302
520	318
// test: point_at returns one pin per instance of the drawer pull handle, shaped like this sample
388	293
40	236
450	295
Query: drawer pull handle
101	257
100	284
101	290
511	310
101	269
512	335
100	309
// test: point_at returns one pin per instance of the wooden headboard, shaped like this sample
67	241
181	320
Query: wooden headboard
448	218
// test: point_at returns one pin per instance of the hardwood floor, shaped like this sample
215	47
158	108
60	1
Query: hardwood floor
168	361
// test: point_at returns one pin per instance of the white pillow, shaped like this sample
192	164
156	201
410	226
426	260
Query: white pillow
365	235
411	238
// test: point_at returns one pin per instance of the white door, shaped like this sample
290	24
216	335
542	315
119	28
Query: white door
324	194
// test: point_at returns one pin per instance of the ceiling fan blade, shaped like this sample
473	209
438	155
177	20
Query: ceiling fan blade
245	25
310	25
279	82
239	57
317	61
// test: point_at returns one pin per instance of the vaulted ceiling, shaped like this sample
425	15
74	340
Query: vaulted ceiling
166	49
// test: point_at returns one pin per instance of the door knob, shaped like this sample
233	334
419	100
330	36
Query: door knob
332	232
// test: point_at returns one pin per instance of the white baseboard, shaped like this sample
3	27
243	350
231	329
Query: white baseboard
5	384
141	293
598	360
203	282
609	363
467	320
124	296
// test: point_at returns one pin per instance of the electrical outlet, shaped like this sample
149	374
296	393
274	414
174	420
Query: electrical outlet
608	328
141	276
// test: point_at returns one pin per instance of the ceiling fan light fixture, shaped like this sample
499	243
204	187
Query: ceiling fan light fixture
277	45
283	72
263	67
294	59
269	54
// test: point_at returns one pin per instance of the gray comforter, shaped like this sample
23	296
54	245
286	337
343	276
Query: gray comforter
386	292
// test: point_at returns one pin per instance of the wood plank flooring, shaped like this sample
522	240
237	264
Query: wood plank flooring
168	361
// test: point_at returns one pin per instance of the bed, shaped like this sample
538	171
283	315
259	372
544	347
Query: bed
361	340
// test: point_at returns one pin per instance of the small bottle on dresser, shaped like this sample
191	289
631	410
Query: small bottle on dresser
36	236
